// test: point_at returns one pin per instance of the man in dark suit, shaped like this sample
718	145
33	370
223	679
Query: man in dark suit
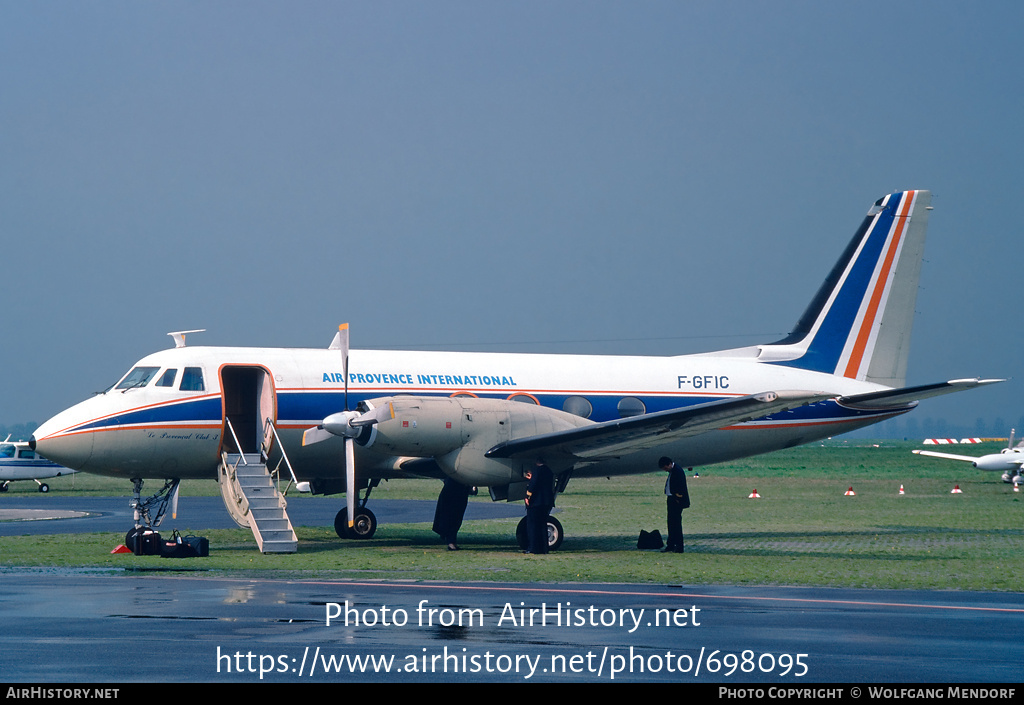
449	511
677	499
540	498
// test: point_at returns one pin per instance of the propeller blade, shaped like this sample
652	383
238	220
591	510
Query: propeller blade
174	501
350	480
315	435
380	414
343	346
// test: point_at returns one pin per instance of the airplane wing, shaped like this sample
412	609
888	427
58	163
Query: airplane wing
949	456
907	396
612	439
967	458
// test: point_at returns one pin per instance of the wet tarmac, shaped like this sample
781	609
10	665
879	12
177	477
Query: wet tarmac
179	626
87	626
38	515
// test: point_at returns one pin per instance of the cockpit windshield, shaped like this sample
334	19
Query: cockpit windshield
6	450
138	377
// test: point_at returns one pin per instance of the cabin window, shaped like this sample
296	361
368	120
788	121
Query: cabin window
167	378
631	406
192	380
578	406
27	454
524	398
138	377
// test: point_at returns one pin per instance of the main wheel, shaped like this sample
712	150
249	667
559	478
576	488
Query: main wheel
364	527
43	487
522	538
555	534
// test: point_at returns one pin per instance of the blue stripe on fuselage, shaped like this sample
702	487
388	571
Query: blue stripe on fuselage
309	406
198	410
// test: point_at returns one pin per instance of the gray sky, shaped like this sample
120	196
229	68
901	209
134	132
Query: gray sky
592	177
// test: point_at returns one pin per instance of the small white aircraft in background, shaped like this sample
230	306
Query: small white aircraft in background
19	462
482	419
1007	461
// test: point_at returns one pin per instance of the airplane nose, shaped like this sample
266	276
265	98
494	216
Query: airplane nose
71	450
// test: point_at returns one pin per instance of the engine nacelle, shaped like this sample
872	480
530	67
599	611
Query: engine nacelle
997	462
457	431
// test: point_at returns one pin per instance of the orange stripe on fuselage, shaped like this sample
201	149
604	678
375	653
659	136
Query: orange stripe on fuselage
857	355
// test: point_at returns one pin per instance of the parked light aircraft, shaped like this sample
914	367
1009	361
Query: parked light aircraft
1008	461
19	462
482	418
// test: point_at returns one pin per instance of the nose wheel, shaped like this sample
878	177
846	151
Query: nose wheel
365	524
364	527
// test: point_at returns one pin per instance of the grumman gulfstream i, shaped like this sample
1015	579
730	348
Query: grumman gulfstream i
480	419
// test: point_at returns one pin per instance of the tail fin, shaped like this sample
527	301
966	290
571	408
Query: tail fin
858	325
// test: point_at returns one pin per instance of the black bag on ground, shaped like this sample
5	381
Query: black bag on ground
144	542
186	547
649	540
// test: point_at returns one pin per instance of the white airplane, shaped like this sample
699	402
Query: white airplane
1007	461
481	418
19	462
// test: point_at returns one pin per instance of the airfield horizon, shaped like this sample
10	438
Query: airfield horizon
804	530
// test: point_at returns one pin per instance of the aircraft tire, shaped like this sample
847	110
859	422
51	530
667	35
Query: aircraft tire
555	534
364	527
3	486
44	487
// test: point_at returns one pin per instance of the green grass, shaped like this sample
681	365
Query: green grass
803	530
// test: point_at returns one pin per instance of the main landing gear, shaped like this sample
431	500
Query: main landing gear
365	524
43	487
555	534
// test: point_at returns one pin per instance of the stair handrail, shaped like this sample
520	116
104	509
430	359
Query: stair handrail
238	445
284	454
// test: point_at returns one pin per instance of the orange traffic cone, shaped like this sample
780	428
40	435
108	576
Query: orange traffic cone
122	549
850	493
754	495
956	490
901	490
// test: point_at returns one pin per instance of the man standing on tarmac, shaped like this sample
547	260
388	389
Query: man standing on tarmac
540	498
677	499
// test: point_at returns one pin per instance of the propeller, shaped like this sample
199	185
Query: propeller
347	424
174	501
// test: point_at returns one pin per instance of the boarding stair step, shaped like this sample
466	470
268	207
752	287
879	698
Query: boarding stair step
270	523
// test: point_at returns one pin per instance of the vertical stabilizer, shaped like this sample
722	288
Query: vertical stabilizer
859	323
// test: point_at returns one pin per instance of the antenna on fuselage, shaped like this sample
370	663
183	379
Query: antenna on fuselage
179	336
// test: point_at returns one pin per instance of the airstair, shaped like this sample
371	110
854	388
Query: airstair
252	496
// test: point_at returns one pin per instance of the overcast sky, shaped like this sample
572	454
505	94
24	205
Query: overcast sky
592	177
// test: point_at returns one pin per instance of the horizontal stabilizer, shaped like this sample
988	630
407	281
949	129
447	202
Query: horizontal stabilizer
907	396
615	438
